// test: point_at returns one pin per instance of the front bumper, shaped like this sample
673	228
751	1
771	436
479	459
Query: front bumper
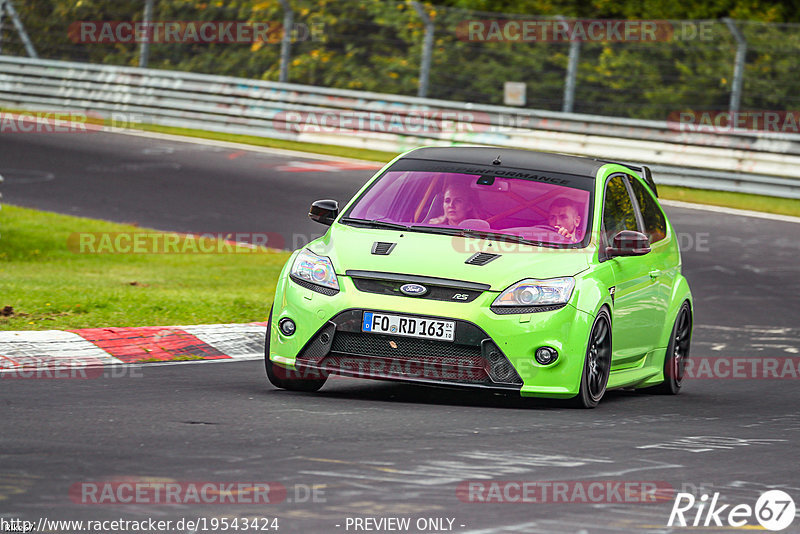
471	359
490	350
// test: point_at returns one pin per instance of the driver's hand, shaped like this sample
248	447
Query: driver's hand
564	232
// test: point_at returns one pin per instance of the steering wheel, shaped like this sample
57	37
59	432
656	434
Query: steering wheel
547	227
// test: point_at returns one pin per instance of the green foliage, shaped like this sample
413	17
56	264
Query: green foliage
376	45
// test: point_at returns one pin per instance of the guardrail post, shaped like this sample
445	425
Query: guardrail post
26	42
738	69
144	49
2	12
427	50
572	74
572	71
286	41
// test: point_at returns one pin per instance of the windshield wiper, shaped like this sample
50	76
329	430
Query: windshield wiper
437	230
374	223
465	232
499	236
444	230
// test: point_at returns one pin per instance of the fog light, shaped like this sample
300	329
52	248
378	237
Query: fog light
546	355
287	326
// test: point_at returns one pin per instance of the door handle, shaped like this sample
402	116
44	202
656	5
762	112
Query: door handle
654	274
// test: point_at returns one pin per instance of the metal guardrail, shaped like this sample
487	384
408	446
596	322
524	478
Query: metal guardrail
751	162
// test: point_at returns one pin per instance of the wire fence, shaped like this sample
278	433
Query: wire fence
649	69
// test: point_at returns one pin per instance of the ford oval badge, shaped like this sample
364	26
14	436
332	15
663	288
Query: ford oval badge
413	290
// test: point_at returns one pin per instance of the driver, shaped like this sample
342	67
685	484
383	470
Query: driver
565	218
459	203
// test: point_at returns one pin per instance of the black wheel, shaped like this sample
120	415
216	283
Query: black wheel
677	353
597	364
283	378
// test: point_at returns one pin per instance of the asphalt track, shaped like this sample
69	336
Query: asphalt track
374	449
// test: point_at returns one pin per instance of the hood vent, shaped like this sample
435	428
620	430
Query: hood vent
381	248
481	258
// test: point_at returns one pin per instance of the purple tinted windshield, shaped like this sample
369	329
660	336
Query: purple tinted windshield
531	210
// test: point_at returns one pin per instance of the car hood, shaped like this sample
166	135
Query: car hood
442	256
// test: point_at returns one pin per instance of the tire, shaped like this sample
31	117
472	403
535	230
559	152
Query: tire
677	353
277	375
596	364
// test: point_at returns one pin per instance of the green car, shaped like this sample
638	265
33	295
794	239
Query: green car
543	274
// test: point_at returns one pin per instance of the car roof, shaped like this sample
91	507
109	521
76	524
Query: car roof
510	157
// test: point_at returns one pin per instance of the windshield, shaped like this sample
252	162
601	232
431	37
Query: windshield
447	202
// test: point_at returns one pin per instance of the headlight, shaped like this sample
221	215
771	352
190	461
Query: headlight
531	292
317	270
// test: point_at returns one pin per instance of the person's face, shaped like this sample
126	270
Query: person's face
565	217
456	205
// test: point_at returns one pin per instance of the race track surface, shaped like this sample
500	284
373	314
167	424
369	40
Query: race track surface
375	449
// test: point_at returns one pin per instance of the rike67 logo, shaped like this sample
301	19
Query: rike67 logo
774	510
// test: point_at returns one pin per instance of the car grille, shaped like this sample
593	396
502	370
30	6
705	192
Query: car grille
340	347
393	368
508	310
423	350
391	287
314	287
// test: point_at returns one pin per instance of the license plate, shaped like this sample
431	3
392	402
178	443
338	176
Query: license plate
401	325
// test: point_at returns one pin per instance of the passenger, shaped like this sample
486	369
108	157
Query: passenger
566	219
459	203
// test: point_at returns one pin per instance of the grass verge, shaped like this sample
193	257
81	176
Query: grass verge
47	283
742	201
316	148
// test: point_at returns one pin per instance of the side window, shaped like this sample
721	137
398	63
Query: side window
655	225
618	212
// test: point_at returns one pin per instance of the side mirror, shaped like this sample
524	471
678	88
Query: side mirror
324	211
629	243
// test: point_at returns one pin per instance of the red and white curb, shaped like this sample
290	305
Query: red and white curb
328	166
93	347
